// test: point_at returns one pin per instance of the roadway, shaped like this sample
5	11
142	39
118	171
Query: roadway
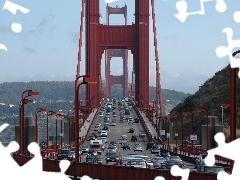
115	132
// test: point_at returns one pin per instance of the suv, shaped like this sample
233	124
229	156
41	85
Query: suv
149	145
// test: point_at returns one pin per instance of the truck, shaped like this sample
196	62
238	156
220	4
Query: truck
96	145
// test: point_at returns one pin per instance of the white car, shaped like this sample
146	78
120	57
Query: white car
124	137
159	162
104	134
142	134
136	162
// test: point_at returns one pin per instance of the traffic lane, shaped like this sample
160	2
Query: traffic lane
115	132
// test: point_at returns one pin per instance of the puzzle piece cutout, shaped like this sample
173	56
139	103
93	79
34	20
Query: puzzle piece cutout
228	150
182	7
32	169
177	171
13	8
222	51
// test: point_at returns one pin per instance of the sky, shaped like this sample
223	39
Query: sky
46	49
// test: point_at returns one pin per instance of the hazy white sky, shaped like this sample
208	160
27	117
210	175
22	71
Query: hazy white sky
47	47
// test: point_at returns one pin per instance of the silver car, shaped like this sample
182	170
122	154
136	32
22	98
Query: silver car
159	162
137	147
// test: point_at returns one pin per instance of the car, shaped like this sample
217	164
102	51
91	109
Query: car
106	124
124	136
142	134
131	130
200	159
210	169
126	146
105	128
130	120
106	119
99	131
137	147
159	162
112	157
111	149
91	137
65	154
98	124
100	114
113	143
174	160
94	159
114	122
92	152
164	154
155	148
144	157
104	140
104	134
149	145
136	120
136	162
84	149
73	151
96	128
134	138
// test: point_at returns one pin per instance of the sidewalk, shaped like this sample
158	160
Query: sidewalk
87	124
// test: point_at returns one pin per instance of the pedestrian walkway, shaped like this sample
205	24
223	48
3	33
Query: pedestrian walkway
149	127
87	124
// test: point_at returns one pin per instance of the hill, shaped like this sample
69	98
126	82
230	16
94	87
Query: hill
211	95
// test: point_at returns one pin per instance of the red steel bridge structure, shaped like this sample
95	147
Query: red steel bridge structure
115	41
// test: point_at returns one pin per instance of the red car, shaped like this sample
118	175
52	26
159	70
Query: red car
136	120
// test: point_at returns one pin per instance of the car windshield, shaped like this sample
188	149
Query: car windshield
204	155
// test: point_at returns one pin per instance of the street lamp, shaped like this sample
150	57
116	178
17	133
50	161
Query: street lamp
22	102
233	104
48	114
86	80
186	113
206	111
36	121
61	133
178	116
224	106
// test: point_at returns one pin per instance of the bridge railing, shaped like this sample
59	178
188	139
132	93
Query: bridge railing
110	172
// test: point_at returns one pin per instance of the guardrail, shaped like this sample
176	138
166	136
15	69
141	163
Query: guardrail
111	172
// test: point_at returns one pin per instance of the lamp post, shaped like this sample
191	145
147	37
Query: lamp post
206	111
162	126
21	124
86	80
224	106
233	104
48	114
61	133
36	121
186	113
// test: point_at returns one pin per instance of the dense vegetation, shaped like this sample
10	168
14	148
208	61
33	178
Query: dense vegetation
211	95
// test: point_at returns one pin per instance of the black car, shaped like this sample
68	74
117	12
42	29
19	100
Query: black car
112	157
94	159
105	128
65	154
131	130
134	138
149	145
126	146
